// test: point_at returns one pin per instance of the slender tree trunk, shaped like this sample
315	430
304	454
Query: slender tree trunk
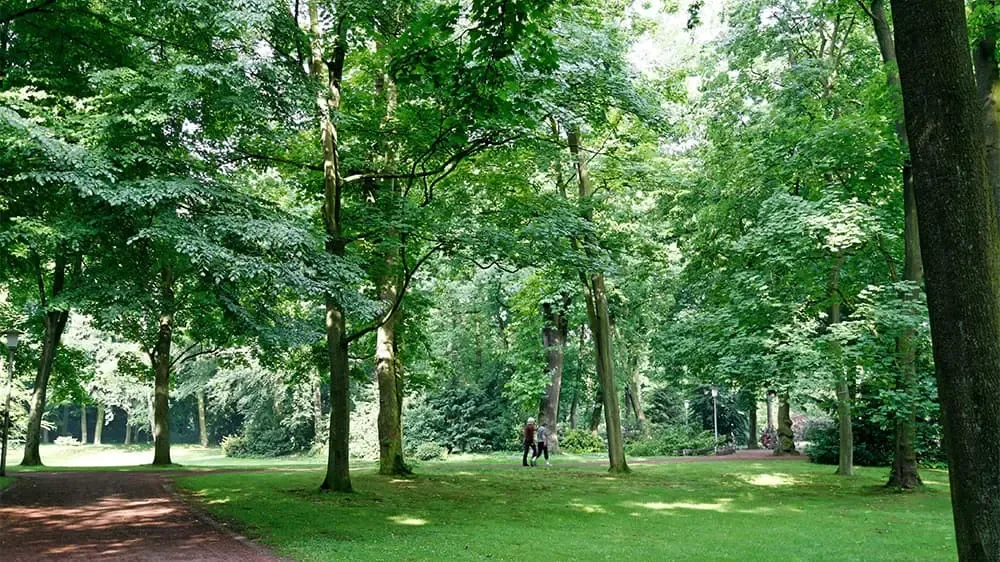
161	389
771	424
635	395
99	424
128	432
845	466
960	246
984	57
64	421
904	467
318	417
84	434
329	73
752	442
202	421
600	324
390	402
597	413
54	324
554	334
786	436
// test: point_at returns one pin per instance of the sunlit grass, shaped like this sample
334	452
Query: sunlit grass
708	511
100	457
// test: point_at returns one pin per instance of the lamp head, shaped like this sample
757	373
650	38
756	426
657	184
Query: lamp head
13	336
715	391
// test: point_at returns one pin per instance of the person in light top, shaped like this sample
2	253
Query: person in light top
542	437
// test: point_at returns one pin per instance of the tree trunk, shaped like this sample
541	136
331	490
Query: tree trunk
786	437
960	246
390	396
99	424
64	420
988	88
752	443
554	334
128	432
202	421
597	413
161	387
329	73
54	324
845	466
770	409
84	434
572	408
904	467
600	323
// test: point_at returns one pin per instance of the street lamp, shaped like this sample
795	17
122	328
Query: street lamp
715	415
687	410
12	338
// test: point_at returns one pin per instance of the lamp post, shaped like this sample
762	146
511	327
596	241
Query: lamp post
12	338
715	415
687	411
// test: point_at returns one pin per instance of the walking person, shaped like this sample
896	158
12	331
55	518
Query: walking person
542	437
529	442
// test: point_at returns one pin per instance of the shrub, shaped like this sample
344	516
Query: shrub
824	442
581	441
429	452
67	440
235	446
672	440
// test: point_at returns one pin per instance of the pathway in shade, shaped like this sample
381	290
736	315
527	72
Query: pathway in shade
110	515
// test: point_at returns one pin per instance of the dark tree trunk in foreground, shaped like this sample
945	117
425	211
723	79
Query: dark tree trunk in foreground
904	466
555	331
786	437
960	246
161	369
54	323
600	324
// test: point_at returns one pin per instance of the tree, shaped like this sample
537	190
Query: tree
955	202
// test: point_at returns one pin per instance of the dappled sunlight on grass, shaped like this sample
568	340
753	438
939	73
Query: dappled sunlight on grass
772	480
588	508
408	521
721	505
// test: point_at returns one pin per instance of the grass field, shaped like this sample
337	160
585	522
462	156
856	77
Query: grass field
697	511
135	456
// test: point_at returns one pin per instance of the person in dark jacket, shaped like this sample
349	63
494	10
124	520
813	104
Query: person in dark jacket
529	442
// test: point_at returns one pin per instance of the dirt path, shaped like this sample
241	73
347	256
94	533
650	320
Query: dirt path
110	515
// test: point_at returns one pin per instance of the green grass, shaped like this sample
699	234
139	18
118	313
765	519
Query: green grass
697	511
5	481
132	457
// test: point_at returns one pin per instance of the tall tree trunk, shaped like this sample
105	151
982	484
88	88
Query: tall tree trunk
202	421
99	424
845	466
161	388
555	330
786	436
572	408
960	246
752	442
64	420
597	412
600	322
318	417
84	434
390	401
329	73
771	424
904	472
54	324
128	432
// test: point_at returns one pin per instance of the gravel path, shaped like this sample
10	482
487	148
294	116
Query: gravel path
110	516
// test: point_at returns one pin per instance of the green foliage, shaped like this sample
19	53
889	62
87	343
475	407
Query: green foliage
581	441
429	452
235	446
671	441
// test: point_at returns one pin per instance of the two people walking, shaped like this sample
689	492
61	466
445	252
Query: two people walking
537	440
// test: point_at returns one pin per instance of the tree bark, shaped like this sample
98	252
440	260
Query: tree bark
752	442
318	417
988	88
202	421
390	402
99	424
600	323
960	246
598	411
904	472
845	466
771	424
84	434
161	369
555	330
54	324
128	432
329	73
786	436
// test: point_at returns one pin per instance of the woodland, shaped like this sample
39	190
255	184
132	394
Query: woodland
393	230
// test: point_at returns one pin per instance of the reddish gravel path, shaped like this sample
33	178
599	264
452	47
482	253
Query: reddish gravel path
109	516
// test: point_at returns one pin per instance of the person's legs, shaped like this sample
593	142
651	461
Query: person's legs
524	458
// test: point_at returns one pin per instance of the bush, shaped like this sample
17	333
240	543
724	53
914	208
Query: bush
235	446
67	440
581	441
824	442
672	440
429	452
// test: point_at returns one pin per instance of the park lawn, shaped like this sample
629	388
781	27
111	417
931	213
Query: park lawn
5	481
694	511
102	457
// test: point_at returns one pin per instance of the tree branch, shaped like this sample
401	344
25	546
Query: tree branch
9	17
